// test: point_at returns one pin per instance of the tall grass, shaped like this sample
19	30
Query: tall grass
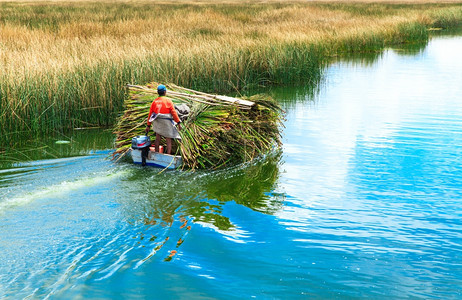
64	64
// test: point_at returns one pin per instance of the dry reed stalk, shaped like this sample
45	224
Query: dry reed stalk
88	39
201	97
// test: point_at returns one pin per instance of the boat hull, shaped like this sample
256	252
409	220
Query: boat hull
159	160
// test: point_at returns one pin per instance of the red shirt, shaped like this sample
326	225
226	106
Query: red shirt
163	105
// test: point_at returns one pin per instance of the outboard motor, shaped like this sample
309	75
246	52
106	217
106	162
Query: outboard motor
142	142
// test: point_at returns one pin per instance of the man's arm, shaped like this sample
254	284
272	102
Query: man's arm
174	113
151	109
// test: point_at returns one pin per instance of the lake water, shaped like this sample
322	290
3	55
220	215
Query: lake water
363	201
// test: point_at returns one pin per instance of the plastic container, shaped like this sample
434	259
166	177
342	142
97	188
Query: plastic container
153	149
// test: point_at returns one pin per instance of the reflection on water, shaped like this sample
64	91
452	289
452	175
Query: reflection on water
79	142
92	219
363	202
201	195
378	153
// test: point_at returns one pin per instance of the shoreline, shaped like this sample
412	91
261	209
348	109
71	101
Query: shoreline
224	47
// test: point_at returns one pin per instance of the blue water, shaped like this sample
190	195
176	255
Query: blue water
363	201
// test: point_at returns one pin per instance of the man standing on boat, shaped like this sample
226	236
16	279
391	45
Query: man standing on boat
163	118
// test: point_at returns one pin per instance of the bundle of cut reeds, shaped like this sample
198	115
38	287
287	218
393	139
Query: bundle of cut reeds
218	131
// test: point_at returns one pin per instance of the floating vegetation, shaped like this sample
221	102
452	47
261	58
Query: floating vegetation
218	131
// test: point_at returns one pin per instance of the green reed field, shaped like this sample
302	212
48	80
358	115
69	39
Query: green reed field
64	64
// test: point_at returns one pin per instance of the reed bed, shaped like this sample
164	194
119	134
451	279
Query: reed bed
64	64
219	130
